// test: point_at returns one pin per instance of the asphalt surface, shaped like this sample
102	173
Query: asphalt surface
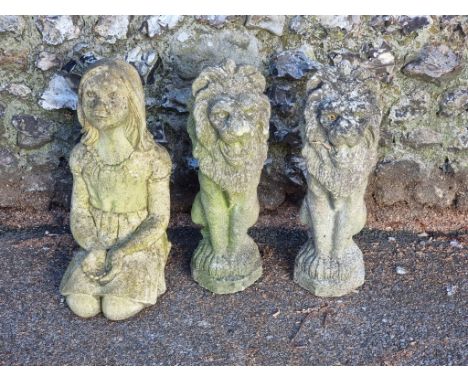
412	310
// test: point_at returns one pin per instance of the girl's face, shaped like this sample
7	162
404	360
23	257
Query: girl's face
104	101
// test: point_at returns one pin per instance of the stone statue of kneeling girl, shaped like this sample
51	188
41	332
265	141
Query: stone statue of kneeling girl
120	201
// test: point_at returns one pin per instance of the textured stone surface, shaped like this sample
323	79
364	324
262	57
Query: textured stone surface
33	132
271	194
298	24
13	24
7	158
460	141
228	127
343	22
19	90
58	95
112	28
213	20
402	24
381	61
410	108
47	60
282	97
8	162
177	99
37	182
461	199
410	24
340	138
14	58
19	185
454	102
191	51
57	29
292	64
144	61
408	182
272	24
423	137
120	201
10	178
455	24
437	190
396	181
155	25
434	63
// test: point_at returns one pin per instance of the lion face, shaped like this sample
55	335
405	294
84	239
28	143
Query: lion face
346	126
229	124
233	118
235	121
343	122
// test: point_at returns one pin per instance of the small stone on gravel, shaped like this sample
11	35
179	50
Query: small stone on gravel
456	244
401	270
451	290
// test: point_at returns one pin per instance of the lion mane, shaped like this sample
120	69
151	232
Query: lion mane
227	81
352	91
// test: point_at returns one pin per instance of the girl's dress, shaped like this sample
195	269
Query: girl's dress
141	277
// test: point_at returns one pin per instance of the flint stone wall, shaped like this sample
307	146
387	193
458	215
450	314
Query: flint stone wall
421	61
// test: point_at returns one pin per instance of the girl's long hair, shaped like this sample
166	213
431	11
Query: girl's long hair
135	129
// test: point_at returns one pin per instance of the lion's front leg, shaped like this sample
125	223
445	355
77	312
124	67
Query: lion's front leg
243	213
321	218
215	210
349	219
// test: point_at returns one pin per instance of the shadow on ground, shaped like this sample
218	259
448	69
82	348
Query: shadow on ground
417	318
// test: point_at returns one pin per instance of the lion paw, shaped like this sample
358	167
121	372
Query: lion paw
319	266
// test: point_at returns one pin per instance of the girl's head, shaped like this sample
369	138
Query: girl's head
111	95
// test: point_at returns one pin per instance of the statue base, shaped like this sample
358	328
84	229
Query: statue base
325	276
228	272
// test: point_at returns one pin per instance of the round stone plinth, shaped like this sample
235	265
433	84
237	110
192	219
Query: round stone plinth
225	285
229	272
328	288
329	277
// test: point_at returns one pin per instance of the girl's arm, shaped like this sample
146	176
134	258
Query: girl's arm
82	224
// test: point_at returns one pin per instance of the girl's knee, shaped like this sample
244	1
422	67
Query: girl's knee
119	308
84	305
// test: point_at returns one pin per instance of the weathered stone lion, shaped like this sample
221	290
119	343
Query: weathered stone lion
228	127
340	138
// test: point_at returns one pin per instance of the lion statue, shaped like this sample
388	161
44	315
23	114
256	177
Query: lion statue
228	126
340	138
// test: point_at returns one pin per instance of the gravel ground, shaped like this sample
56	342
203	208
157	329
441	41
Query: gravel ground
411	311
